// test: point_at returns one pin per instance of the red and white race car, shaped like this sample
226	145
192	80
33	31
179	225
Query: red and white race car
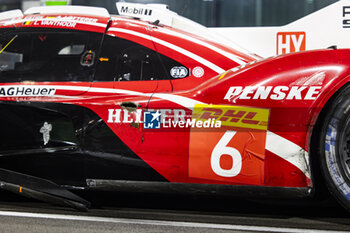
99	102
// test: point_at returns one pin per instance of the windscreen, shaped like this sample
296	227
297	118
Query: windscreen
46	56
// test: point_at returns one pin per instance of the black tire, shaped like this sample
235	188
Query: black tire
334	147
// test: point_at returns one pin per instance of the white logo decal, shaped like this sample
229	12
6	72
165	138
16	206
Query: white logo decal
26	91
198	72
179	72
273	93
45	130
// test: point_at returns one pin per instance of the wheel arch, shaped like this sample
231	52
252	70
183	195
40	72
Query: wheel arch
319	115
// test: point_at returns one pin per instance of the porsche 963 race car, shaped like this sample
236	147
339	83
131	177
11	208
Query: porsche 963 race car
152	101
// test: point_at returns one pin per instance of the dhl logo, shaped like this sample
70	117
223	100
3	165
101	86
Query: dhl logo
235	116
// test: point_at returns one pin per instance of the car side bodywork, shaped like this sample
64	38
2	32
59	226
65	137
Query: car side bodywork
91	133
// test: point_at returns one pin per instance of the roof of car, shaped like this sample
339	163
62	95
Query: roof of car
79	10
66	17
96	19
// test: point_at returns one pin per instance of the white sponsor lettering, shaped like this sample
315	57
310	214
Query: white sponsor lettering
282	45
26	91
58	23
164	114
179	115
170	118
297	41
124	116
279	94
192	123
262	92
274	93
114	115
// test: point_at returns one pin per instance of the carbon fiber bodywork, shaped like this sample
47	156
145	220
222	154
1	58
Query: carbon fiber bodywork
81	145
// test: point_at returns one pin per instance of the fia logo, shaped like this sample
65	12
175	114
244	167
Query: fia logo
288	42
151	120
179	72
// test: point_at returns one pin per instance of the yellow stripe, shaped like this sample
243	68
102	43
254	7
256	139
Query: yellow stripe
2	50
223	75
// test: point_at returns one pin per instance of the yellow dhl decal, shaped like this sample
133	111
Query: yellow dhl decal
235	116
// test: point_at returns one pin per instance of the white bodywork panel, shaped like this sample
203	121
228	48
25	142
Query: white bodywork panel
324	28
83	10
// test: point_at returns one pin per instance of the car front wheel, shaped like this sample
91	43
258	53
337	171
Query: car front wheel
335	148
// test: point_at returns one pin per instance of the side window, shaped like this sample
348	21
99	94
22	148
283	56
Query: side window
174	69
123	60
47	56
135	64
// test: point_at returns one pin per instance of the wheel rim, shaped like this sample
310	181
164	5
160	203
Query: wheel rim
344	149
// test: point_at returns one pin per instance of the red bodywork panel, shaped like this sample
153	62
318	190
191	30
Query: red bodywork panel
269	107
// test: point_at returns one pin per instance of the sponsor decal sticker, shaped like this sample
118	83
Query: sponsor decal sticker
202	116
135	11
303	92
288	42
170	119
179	72
234	154
234	116
58	21
151	120
26	91
198	72
45	130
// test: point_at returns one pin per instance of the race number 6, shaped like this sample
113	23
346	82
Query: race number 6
222	149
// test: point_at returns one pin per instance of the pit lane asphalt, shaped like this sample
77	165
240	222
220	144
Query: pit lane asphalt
139	212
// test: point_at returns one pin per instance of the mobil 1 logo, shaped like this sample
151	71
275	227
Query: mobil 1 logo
346	16
135	11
